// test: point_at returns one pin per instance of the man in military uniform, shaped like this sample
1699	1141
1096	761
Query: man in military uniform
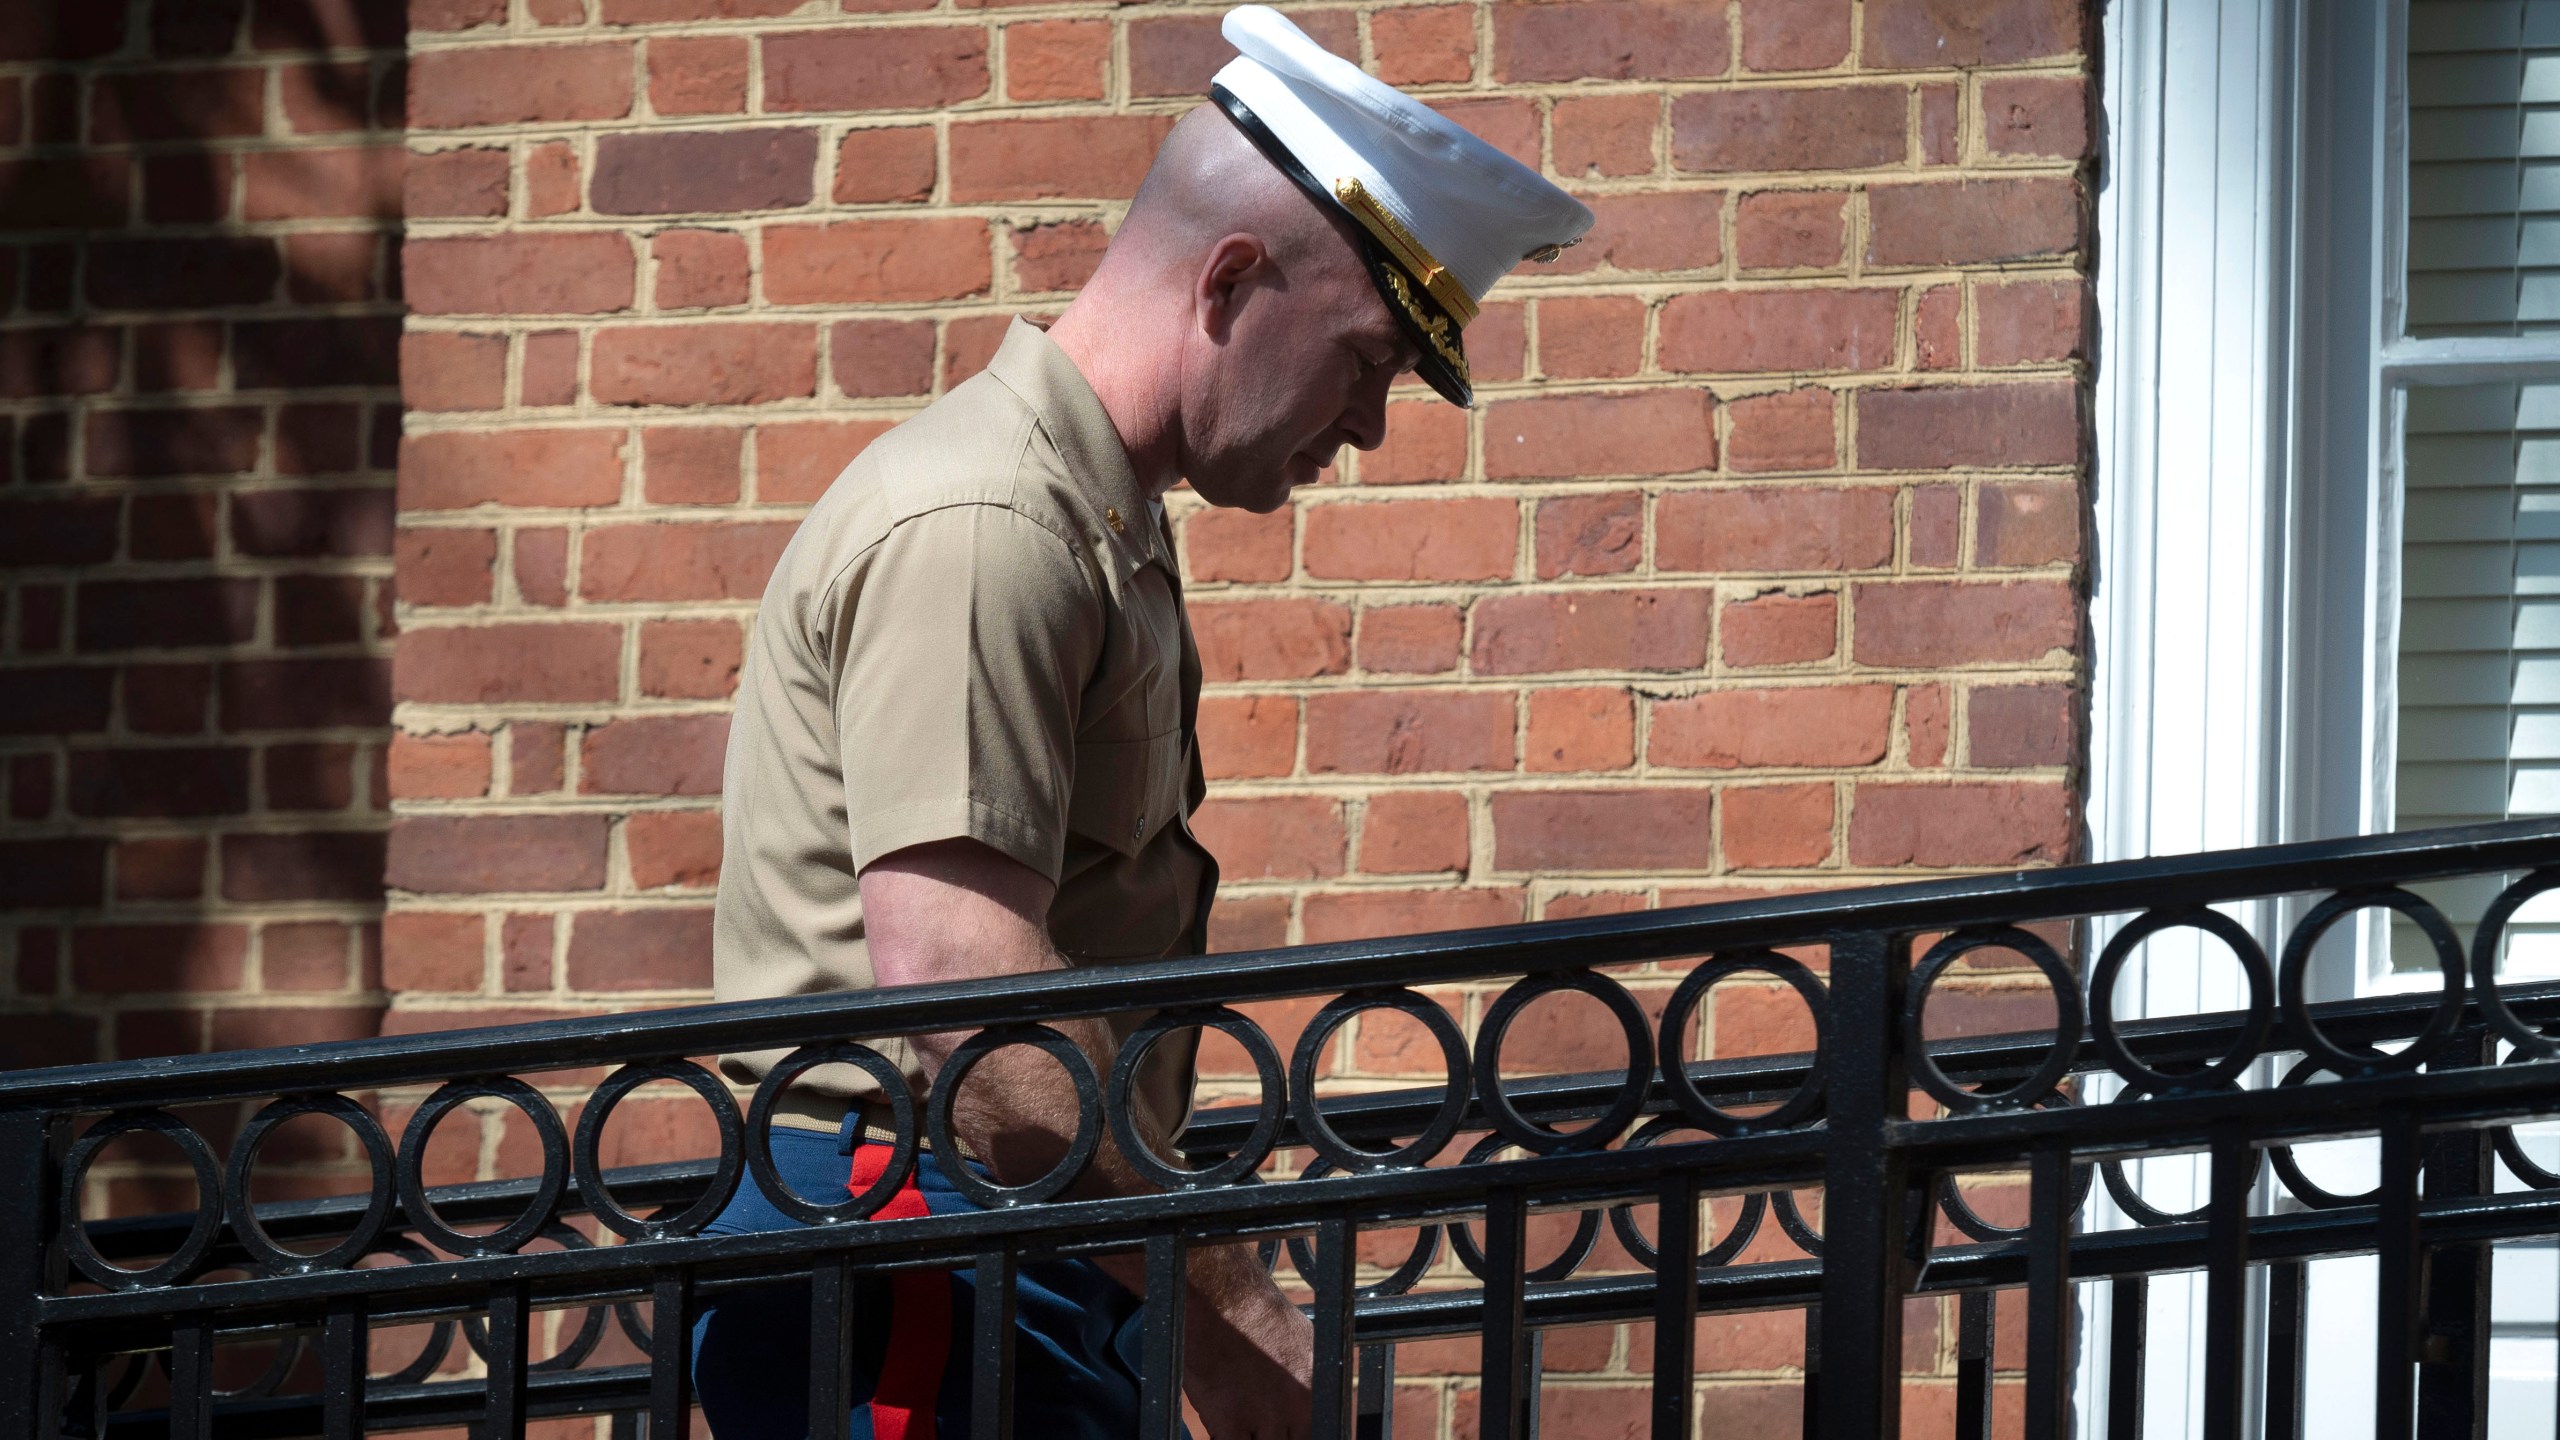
964	740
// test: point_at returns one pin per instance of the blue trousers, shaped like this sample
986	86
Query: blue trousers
1075	1354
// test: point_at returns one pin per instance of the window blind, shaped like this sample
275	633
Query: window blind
2484	167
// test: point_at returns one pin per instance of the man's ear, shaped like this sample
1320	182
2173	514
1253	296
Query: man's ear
1233	264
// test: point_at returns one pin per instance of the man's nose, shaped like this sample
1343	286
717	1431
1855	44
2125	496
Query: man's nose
1366	419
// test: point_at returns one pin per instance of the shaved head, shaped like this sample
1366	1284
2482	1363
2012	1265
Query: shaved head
1208	181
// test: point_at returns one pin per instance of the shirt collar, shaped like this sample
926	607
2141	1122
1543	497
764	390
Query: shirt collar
1031	365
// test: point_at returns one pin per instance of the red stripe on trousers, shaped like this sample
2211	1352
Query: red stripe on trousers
902	1403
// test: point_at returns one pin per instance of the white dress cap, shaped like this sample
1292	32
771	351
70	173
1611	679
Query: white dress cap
1447	215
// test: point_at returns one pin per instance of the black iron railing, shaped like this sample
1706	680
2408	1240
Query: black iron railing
86	1310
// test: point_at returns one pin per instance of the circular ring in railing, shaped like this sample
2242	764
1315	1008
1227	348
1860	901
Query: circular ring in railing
2531	1043
2511	1150
581	1343
2289	1170
439	1335
1271	1107
1586	1229
512	1236
1528	1134
588	1160
986	1194
2365	1061
1426	1248
1961	1214
626	1313
1708	1116
1622	1218
1320	1134
2066	1018
758	1140
1782	1203
191	1251
2253	1031
288	1354
2129	1199
137	1368
253	1237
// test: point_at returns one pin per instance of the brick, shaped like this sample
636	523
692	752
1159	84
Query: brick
1651	432
690	659
311	183
1414	833
58	532
2030	523
1057	59
690	464
1769	827
332	99
324	266
1248	735
1794	34
879	358
305	958
170	868
1292	639
310	777
1781	629
509	663
1409	732
1426	440
654	755
549	374
1604	136
158	959
534	274
323	609
1791	229
698	75
1176	54
1609	40
699	269
1060	256
335	865
1581	728
1410	639
440	767
167	699
1508	125
306	693
1658	630
58	360
1937	326
159	784
66	192
655	949
1238	545
1413	540
312	522
537	757
705	171
1817	725
796	463
874	261
1926	624
190	104
519	85
163	614
723	364
673	848
456	14
1774	528
40	611
443	370
1590	534
1925	725
1371	914
654	12
908	67
205	29
1957	427
53	873
1278	837
1590	337
182	274
321	350
1547	831
328	25
1759	331
455	470
2032	322
1992	824
1769	128
179	189
496	854
1497	345
179	355
1931	34
969	343
2013	726
1429	45
56	699
550	179
1095	158
1787	430
695	561
1973	222
876	167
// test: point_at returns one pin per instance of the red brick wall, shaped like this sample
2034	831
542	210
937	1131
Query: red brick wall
199	326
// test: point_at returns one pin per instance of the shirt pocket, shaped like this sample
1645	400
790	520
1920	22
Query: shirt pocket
1126	790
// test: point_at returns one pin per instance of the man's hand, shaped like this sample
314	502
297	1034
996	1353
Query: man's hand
958	910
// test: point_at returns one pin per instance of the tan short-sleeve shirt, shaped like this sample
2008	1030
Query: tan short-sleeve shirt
977	633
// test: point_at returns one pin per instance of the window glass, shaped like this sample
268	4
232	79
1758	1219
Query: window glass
2484	167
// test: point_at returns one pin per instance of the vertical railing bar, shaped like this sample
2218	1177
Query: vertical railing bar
1376	1419
1160	1376
1337	1260
191	1379
1812	1422
2233	1174
1675	1308
830	1349
1536	1388
82	1391
2453	1370
29	1265
2396	1282
510	1333
670	1354
342	1366
2129	1299
2288	1292
1866	1265
625	1425
2049	1211
1973	1364
991	1337
1504	1385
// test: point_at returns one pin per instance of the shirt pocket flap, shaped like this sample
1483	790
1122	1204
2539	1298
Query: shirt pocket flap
1125	790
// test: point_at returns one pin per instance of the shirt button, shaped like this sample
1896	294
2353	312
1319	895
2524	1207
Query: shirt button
1139	830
